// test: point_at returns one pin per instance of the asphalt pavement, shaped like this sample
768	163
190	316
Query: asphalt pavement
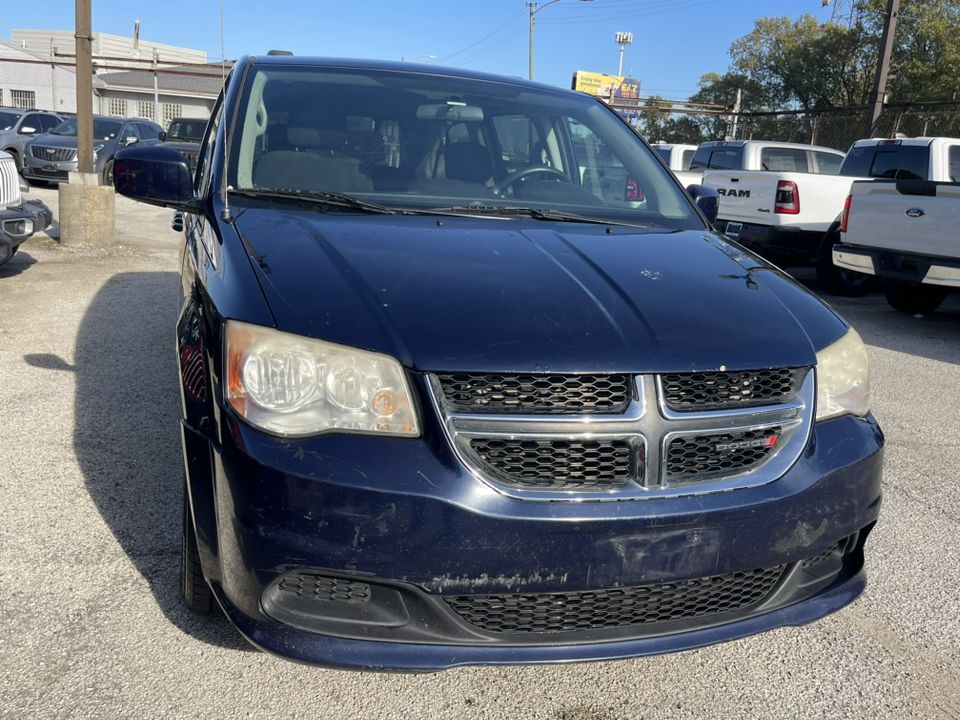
93	625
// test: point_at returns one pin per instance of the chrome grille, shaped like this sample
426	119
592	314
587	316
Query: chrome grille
647	450
9	182
536	394
50	154
616	607
708	391
559	464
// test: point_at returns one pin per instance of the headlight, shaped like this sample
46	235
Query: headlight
292	385
843	378
96	150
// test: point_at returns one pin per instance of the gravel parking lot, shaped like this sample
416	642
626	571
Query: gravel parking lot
90	538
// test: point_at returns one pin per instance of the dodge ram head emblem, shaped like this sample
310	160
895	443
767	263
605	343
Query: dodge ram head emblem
914	213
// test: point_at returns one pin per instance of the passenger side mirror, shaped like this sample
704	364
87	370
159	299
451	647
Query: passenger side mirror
128	141
707	199
26	130
162	136
156	175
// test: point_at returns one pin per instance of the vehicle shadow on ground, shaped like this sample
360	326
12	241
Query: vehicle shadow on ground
17	264
126	436
935	336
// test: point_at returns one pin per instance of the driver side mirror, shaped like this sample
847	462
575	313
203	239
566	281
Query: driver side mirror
128	141
26	130
162	136
707	199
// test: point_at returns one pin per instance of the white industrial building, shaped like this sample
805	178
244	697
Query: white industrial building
132	77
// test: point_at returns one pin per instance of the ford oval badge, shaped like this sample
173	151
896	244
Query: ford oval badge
914	213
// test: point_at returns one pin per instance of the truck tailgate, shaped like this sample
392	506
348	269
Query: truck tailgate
745	196
912	216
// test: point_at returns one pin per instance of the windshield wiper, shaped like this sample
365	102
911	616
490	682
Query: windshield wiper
541	214
316	196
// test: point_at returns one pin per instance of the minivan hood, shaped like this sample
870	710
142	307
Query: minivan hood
491	294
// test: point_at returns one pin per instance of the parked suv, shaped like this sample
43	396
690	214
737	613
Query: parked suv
185	134
447	400
50	157
17	126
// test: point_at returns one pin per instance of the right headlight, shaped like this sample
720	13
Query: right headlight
292	385
843	378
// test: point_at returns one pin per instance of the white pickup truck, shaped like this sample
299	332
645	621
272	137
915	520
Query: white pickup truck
793	218
905	232
746	155
677	157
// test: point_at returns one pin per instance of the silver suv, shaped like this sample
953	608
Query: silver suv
18	126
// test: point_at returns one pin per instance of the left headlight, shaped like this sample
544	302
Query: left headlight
297	386
843	378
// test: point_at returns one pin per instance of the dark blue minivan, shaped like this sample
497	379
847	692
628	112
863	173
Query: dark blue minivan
469	378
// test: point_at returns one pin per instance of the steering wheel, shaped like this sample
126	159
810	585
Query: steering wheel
516	177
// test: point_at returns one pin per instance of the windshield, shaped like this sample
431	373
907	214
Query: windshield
8	120
188	130
417	141
102	129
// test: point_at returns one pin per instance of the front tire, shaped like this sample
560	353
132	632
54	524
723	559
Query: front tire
196	592
108	173
913	298
837	280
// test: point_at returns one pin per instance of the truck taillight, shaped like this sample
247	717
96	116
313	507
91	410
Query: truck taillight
788	198
633	191
846	214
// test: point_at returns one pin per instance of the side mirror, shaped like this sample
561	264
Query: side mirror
707	199
128	141
162	136
26	130
156	175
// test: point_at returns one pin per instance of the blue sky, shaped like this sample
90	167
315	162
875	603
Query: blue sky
674	41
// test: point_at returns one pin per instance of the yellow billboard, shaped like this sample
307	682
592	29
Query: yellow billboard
606	86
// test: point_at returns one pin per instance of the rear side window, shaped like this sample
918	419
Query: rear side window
687	159
954	161
783	159
895	162
725	157
828	163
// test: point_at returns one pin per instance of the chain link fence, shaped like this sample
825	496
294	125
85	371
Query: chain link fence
122	87
837	128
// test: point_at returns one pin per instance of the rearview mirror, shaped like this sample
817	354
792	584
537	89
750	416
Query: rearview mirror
452	111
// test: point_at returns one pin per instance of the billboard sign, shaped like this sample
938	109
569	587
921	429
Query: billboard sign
606	86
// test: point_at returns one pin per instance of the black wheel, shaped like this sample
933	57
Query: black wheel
196	592
913	298
838	280
16	159
108	173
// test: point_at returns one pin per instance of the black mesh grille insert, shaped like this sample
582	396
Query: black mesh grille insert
537	394
700	392
700	457
320	587
617	607
558	464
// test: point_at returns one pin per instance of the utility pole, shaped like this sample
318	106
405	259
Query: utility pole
84	37
883	67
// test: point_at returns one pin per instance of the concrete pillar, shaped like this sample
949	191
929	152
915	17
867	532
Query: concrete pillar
86	211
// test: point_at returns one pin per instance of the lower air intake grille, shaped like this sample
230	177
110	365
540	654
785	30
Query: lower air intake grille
557	464
614	608
536	394
319	587
703	457
707	391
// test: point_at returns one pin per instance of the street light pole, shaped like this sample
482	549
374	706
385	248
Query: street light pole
532	7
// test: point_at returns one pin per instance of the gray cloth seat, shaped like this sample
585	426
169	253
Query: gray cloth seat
315	162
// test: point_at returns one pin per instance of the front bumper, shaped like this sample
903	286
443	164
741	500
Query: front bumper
19	222
377	553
